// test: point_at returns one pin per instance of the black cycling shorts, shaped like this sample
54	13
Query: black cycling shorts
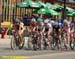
39	29
46	29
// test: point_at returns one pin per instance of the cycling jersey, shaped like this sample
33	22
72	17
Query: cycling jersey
47	27
16	26
56	29
73	25
33	24
65	28
21	26
40	27
60	23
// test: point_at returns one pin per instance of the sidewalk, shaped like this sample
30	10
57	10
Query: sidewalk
5	40
6	37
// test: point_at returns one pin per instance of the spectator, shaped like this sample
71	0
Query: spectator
25	20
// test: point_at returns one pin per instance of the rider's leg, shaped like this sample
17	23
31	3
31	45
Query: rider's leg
20	35
49	40
68	39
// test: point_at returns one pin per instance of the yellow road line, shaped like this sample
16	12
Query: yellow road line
15	57
24	57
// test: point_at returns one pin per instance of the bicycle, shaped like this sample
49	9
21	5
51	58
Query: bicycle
72	41
55	41
15	40
39	39
46	40
63	40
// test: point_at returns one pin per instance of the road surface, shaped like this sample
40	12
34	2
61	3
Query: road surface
7	53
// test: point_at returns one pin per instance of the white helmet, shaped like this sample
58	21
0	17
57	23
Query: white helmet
56	23
52	21
65	21
33	20
46	20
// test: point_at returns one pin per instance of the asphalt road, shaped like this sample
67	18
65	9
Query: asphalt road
7	53
5	49
64	55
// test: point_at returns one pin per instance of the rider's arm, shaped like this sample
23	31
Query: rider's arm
50	28
43	30
34	28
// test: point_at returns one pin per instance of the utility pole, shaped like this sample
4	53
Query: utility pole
64	11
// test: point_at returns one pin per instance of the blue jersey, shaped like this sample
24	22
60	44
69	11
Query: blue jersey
60	23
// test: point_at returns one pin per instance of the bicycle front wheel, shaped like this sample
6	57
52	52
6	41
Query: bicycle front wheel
13	43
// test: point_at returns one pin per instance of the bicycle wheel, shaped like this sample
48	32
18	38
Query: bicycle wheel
39	43
22	43
13	43
34	41
72	44
53	43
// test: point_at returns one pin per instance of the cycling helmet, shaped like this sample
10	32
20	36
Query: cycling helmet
33	20
52	21
46	20
65	21
17	20
56	23
39	20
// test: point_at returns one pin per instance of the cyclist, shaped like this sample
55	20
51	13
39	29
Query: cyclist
19	28
60	24
73	29
66	31
56	34
33	25
56	28
47	26
47	30
40	24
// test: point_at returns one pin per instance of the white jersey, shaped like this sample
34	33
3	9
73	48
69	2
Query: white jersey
49	26
69	26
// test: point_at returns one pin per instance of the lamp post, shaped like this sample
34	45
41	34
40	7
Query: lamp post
64	11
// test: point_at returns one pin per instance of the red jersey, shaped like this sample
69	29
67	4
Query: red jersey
32	25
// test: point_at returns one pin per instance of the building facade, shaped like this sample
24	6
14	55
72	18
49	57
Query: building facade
8	9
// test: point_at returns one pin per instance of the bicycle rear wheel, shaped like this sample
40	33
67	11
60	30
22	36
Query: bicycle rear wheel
21	45
72	44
